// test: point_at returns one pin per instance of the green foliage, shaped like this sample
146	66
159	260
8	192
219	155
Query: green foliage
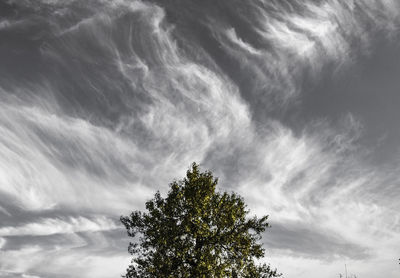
196	232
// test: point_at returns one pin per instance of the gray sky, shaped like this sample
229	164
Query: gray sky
292	104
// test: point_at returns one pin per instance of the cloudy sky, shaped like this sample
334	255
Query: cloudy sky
294	104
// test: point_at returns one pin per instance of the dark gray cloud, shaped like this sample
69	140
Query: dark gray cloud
293	104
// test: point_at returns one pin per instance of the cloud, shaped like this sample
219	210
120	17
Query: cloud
17	275
30	260
124	100
4	211
29	276
4	24
59	226
41	151
18	260
51	158
2	242
291	47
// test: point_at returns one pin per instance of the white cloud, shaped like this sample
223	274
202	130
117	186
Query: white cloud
330	29
50	226
2	242
20	260
302	39
29	276
67	166
86	265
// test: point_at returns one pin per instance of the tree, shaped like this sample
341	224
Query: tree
196	232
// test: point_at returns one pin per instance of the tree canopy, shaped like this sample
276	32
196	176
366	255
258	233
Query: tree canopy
196	231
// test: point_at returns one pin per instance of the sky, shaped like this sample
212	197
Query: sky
292	104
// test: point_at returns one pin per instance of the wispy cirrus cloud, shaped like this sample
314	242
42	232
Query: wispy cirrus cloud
38	171
52	226
301	42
